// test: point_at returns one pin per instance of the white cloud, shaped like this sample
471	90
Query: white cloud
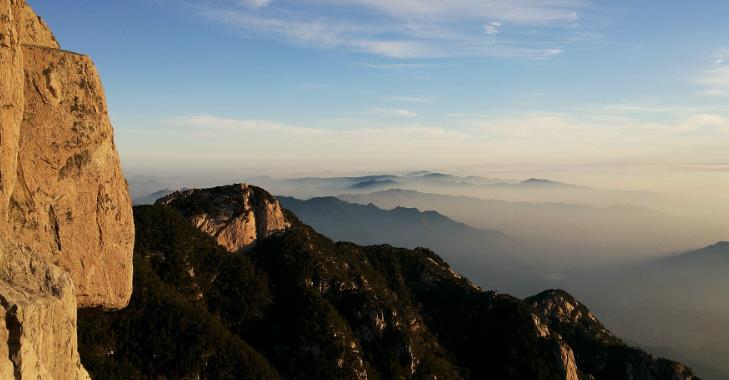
715	80
256	3
393	112
408	99
707	119
722	56
373	143
531	12
492	27
409	29
706	123
398	66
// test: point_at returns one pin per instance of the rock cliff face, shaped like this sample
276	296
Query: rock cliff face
38	324
66	229
236	215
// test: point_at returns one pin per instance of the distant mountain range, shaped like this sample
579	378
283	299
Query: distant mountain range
149	199
489	257
573	234
538	190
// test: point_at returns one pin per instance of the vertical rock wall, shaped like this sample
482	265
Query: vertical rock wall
66	228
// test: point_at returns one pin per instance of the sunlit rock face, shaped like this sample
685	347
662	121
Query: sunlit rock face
62	192
38	324
236	215
66	229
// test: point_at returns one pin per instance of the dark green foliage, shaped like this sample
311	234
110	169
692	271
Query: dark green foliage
165	332
490	335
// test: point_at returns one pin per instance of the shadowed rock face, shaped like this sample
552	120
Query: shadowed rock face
66	229
236	215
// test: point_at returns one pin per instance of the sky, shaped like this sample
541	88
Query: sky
467	86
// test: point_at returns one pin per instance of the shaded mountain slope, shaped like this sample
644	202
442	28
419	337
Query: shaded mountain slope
369	224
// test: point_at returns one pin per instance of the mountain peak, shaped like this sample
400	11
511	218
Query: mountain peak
720	249
556	306
235	215
577	330
540	181
721	244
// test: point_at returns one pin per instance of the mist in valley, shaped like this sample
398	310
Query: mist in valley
620	250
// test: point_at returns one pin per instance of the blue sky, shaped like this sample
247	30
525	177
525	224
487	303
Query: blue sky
354	85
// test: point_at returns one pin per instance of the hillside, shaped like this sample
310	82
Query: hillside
297	305
655	301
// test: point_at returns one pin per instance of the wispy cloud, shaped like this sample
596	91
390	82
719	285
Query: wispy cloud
530	12
393	112
398	66
535	138
255	3
408	29
492	27
715	80
408	99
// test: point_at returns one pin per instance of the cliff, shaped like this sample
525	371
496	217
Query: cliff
236	215
66	229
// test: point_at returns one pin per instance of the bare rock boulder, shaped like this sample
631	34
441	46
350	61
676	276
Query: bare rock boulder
38	324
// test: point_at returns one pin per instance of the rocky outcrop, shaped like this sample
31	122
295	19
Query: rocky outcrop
588	350
559	308
236	215
66	229
38	324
